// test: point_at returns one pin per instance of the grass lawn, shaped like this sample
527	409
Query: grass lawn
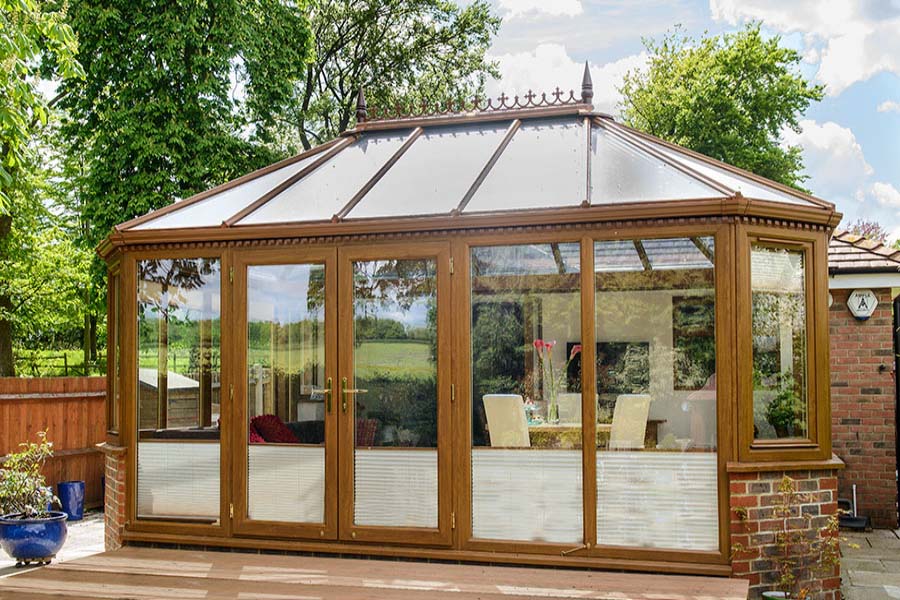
57	363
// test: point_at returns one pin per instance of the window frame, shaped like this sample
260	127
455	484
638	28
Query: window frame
817	444
113	344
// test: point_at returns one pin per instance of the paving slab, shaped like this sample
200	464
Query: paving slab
871	571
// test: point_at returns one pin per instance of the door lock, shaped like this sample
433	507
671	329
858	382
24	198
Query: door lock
346	392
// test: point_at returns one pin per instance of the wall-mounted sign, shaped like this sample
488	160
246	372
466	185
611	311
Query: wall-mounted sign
862	303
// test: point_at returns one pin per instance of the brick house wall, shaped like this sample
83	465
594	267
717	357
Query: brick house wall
863	406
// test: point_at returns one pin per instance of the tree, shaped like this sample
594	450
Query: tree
872	230
34	41
728	96
401	52
171	100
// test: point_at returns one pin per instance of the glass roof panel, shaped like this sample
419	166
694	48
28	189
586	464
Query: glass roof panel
322	193
678	253
435	173
744	185
543	166
622	173
526	259
211	211
616	255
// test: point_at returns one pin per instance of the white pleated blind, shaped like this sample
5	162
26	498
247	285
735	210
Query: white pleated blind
396	487
530	495
286	483
178	479
657	500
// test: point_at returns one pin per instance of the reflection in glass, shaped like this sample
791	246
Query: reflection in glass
526	405
656	393
178	387
395	375
778	287
285	401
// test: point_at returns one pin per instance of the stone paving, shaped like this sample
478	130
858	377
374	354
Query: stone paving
84	538
872	571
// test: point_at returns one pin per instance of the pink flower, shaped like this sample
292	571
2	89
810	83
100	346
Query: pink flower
538	345
576	349
549	345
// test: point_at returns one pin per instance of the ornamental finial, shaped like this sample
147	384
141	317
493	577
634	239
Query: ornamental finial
362	112
587	87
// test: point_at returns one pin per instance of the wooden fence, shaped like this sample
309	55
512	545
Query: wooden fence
72	410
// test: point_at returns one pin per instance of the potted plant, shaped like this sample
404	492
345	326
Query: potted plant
785	411
555	379
801	552
30	531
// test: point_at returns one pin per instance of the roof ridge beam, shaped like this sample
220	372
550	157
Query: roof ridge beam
643	146
264	199
411	138
482	175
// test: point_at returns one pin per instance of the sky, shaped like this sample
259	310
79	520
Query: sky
850	140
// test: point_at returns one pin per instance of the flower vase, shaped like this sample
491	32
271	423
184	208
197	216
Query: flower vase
553	413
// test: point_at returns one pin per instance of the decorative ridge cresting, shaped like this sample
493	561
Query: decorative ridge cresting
463	106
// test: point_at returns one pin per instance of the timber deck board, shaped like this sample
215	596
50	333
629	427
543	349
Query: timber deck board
149	573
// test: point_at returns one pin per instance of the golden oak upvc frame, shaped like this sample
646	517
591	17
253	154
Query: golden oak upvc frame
451	239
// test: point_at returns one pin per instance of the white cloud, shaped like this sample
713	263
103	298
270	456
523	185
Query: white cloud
889	106
549	66
838	172
886	194
533	8
850	41
833	159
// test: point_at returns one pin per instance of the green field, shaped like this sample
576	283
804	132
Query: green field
57	363
398	358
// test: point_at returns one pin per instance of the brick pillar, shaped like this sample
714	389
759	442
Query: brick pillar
753	527
863	406
114	501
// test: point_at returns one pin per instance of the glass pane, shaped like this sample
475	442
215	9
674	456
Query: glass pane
395	375
778	286
218	207
434	174
178	393
622	173
325	191
543	166
656	393
526	404
746	186
285	399
114	332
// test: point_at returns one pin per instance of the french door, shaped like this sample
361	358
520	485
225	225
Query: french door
343	412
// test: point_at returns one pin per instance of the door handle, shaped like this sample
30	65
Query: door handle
328	394
345	392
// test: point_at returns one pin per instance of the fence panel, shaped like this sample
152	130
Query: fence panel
72	410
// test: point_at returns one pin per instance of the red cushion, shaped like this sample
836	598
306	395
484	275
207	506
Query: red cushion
273	430
254	437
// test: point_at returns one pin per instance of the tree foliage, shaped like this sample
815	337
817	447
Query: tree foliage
399	51
172	96
35	266
728	96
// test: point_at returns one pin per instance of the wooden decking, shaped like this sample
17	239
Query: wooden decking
145	573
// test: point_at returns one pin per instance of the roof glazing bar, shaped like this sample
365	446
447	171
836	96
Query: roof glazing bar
636	142
378	175
256	204
510	132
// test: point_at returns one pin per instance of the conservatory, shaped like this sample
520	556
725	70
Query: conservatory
521	332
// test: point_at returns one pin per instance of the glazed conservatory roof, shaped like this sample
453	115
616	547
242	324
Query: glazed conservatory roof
510	157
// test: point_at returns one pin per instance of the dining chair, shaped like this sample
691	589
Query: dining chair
506	420
629	422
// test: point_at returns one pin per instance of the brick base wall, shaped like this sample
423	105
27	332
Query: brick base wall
114	510
754	523
863	406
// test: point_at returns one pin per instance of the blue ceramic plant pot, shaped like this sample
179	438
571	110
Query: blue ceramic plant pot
33	540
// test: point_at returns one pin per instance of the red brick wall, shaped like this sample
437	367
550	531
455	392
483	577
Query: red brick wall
754	522
114	514
863	405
